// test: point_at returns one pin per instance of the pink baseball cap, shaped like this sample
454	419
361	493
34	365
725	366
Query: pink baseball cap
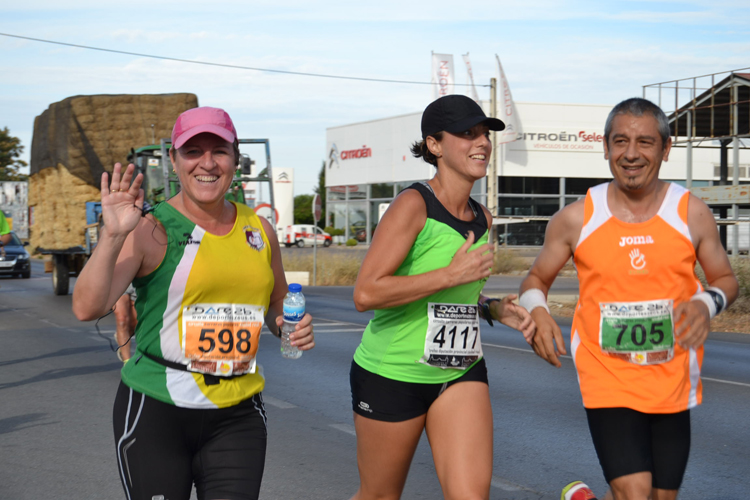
205	119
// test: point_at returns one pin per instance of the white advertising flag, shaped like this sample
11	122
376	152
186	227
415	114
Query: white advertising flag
442	75
472	88
506	108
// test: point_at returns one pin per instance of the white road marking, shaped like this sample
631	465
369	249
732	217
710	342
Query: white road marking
277	402
349	429
504	485
497	481
336	322
725	381
50	323
339	330
528	351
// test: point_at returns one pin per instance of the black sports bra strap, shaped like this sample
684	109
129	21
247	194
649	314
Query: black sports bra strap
436	211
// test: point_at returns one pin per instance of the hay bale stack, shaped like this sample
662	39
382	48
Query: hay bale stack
75	141
60	210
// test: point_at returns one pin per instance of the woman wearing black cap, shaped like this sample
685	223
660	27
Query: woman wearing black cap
423	275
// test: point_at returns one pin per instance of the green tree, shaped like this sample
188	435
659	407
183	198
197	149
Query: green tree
320	190
10	150
303	209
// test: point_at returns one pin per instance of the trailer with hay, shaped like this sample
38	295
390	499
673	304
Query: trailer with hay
75	141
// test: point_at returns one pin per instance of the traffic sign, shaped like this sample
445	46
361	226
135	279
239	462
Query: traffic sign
317	208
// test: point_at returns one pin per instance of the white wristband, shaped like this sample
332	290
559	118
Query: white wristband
714	298
533	298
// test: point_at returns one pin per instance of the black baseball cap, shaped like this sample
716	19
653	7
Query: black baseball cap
454	114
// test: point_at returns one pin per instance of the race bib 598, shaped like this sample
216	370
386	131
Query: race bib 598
221	338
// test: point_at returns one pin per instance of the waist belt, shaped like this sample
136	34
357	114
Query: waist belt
208	378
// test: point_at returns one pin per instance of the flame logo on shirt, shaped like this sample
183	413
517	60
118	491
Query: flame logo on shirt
637	259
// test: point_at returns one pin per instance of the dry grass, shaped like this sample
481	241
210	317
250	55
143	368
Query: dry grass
334	268
341	268
508	262
515	262
737	317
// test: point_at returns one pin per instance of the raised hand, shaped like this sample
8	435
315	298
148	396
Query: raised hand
122	201
548	341
468	266
514	316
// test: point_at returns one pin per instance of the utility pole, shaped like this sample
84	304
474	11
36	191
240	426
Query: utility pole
492	171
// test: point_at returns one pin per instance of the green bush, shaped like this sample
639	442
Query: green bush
351	242
329	230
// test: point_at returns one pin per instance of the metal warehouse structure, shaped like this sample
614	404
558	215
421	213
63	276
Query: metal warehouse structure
713	111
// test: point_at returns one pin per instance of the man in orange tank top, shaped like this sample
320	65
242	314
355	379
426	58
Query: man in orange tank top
642	315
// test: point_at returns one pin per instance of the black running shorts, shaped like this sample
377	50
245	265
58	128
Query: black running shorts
628	441
163	449
381	398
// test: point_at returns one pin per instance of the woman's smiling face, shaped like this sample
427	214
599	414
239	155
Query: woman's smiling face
205	165
467	152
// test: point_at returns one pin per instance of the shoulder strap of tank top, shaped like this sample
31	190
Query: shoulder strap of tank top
596	211
676	199
436	211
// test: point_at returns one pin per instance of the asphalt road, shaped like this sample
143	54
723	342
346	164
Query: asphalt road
58	379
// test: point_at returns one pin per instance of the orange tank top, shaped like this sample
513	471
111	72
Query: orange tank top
631	277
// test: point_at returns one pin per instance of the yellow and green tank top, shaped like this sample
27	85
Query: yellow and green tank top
394	340
198	268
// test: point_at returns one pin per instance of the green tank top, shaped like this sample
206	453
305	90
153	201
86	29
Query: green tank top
394	341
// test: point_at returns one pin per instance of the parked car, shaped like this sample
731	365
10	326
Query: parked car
358	231
305	234
15	262
530	234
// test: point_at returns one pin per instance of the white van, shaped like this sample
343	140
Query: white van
305	234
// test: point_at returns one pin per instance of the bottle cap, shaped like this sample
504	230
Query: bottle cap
295	287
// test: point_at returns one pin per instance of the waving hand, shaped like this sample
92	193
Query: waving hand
122	202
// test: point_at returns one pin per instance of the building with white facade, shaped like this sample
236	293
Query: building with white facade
558	155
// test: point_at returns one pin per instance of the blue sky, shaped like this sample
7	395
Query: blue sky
591	52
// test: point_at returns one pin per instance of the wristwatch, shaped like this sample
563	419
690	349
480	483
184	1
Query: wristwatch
485	308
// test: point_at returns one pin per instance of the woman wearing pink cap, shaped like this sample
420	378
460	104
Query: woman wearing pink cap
208	274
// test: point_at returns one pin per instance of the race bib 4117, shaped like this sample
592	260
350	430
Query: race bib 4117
452	339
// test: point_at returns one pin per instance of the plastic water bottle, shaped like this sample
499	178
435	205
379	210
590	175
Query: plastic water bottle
294	309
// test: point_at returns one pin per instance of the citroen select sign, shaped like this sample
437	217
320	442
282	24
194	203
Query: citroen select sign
580	141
